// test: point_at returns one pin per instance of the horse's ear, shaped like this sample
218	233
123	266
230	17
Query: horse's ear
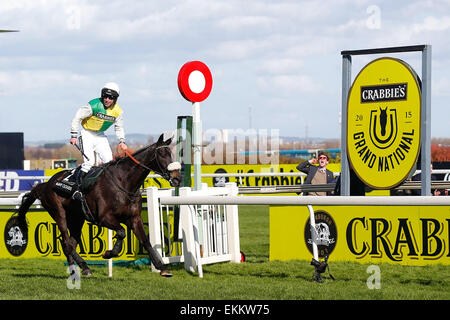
160	140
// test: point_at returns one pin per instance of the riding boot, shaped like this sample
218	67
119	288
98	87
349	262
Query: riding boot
80	177
77	195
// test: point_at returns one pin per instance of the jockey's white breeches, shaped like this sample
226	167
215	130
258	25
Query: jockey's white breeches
94	145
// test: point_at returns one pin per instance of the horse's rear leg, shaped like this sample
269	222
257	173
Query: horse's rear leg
138	228
69	243
56	210
69	249
75	227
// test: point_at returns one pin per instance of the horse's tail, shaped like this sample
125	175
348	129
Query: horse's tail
27	200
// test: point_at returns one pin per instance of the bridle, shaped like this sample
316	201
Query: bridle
163	173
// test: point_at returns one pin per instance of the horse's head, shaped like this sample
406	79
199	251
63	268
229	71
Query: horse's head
169	170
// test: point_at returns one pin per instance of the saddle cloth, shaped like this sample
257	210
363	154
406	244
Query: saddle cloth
68	185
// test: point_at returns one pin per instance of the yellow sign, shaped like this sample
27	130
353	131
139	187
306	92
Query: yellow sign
44	238
258	181
383	123
368	234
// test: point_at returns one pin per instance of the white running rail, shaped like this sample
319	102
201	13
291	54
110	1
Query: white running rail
210	233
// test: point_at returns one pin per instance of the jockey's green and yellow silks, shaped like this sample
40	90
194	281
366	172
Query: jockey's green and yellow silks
101	118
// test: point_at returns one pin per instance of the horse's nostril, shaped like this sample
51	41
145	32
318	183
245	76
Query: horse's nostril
175	181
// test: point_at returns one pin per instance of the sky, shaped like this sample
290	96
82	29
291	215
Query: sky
277	63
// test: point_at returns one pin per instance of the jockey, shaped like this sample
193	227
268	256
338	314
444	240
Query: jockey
95	118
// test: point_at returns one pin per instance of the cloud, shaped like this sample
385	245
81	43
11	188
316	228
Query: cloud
27	82
441	87
351	25
432	24
237	23
288	84
281	65
239	49
264	52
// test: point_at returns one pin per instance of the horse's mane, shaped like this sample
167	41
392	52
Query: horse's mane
121	158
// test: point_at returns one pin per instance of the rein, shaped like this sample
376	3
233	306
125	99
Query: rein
128	154
160	172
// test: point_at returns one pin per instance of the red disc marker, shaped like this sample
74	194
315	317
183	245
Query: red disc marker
195	81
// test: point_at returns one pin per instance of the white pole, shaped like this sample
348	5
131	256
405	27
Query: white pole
110	246
189	235
197	144
312	221
197	242
197	161
233	225
154	222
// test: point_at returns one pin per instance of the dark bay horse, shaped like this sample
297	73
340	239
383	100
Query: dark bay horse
114	199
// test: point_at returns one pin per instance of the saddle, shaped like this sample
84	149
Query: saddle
70	185
89	180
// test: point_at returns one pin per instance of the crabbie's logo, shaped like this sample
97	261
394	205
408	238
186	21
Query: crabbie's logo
390	92
16	239
105	117
383	123
325	233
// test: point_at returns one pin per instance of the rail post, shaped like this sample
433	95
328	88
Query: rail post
154	226
233	225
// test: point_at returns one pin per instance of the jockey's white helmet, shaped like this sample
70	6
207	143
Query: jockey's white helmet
111	88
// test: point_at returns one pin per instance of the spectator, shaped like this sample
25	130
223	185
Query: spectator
317	174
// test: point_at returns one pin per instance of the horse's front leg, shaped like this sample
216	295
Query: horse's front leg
111	222
138	228
120	235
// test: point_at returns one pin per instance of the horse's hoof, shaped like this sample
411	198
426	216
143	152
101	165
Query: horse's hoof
107	255
165	273
86	272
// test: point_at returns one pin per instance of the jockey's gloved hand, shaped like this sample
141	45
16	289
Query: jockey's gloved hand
123	146
73	141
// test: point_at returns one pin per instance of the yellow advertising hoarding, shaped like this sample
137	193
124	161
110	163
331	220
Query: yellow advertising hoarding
383	123
44	238
254	181
368	234
266	180
257	168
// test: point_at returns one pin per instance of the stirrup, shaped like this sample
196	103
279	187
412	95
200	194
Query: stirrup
77	195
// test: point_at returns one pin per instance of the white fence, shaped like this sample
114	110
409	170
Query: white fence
312	200
210	233
16	200
309	201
